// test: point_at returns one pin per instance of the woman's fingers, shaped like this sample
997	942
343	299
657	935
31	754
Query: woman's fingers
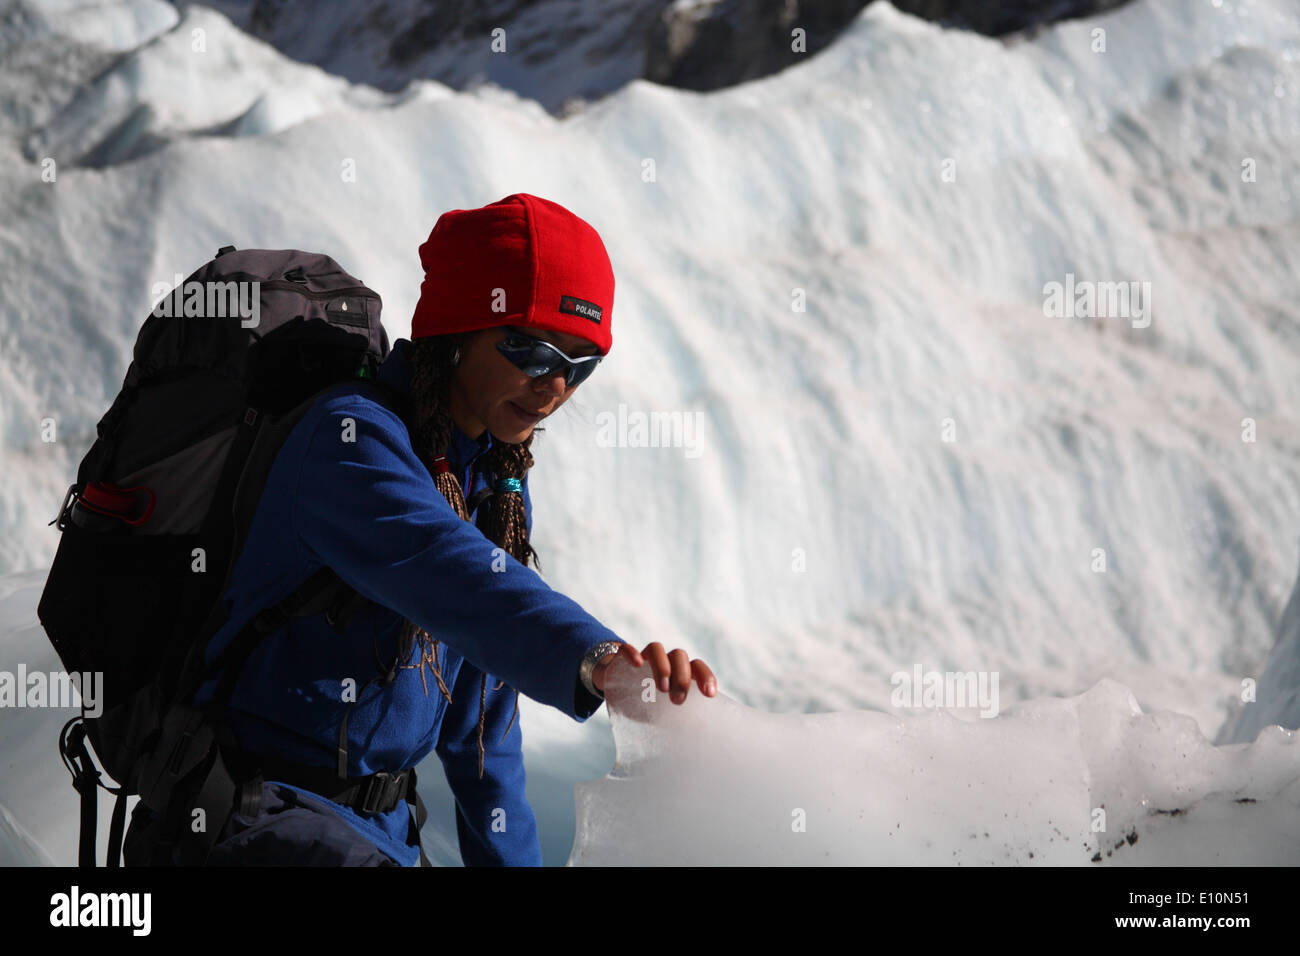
681	674
673	672
659	665
704	677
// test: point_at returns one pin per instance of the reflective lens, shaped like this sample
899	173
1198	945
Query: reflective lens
535	358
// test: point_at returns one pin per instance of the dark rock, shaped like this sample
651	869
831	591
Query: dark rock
564	52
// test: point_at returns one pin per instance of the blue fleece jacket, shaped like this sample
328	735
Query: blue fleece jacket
348	492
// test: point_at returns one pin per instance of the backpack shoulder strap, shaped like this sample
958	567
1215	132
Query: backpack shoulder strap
318	593
324	592
239	489
391	397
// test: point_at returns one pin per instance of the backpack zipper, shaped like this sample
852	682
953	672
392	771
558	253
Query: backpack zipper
357	290
290	286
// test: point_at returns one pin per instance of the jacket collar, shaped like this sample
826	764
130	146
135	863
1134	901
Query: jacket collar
396	371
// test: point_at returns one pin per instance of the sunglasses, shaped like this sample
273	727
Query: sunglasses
535	358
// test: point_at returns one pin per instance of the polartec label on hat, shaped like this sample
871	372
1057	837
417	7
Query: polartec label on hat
575	306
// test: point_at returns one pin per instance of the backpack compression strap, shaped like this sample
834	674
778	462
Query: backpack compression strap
86	781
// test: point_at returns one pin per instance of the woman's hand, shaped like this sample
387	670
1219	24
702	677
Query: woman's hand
672	670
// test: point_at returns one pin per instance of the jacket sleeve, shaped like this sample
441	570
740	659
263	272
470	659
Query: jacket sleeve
494	822
366	507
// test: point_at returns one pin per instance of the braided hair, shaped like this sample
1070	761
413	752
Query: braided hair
432	362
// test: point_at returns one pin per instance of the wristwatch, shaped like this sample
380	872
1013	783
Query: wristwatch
591	659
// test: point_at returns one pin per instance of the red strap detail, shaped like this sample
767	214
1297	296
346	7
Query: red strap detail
123	503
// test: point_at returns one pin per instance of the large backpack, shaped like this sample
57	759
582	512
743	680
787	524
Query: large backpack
223	369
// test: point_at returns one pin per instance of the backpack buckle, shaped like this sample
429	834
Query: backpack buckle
61	519
382	791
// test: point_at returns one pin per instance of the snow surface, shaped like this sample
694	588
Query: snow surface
822	443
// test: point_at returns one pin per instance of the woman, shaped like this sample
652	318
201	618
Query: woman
420	502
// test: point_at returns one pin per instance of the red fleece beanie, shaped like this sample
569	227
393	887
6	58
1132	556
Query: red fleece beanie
521	260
